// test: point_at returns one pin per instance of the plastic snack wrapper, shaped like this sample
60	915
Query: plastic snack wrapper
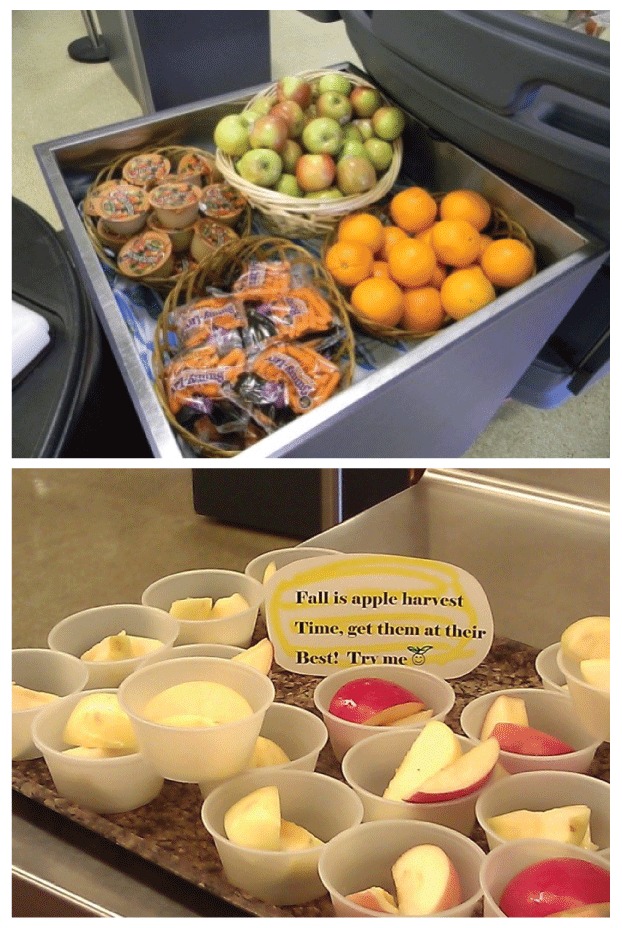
263	280
218	320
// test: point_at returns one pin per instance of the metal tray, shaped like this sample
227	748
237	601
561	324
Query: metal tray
431	398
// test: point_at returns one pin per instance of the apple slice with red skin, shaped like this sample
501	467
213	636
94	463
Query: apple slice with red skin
504	709
522	739
466	775
422	716
375	898
554	885
435	747
364	699
426	881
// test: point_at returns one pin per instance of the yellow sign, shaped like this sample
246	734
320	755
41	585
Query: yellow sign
328	613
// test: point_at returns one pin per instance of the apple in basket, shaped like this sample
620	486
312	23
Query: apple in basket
290	153
388	122
260	166
293	115
268	132
315	172
296	89
322	135
335	106
365	101
355	174
231	135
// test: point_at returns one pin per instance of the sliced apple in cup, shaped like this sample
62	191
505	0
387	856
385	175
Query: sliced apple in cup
375	898
267	753
227	606
504	709
426	881
259	656
469	773
435	747
296	838
374	701
192	609
595	671
255	820
521	739
570	824
587	638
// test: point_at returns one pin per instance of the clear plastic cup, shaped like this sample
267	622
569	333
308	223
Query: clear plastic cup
236	629
507	860
323	805
436	693
364	855
281	557
80	631
547	711
190	755
540	790
590	704
44	671
369	766
226	651
300	733
548	671
106	785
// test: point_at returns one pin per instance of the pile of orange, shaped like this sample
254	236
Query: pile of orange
432	263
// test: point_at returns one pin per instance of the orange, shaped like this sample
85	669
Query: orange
466	204
363	228
484	242
439	275
455	242
349	262
425	235
423	311
413	209
379	299
465	291
380	269
507	262
392	234
412	263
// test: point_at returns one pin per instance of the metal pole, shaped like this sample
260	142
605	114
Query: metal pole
331	502
91	48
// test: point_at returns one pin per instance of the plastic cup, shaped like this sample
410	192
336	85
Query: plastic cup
507	860
540	790
227	651
322	804
548	671
236	630
46	672
190	755
300	733
281	557
364	855
435	692
590	704
80	631
106	785
369	766
547	711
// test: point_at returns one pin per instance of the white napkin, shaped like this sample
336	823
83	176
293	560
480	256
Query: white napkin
31	336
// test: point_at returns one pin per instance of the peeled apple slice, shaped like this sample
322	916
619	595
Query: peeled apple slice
121	647
192	609
24	698
98	721
202	698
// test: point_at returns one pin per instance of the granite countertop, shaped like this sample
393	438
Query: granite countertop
168	831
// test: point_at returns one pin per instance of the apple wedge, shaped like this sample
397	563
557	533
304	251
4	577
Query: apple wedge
504	709
24	698
192	609
367	699
228	606
95	753
269	571
296	838
595	671
98	721
267	753
435	747
569	824
587	638
426	881
259	656
375	898
255	820
470	772
121	647
521	739
212	701
412	719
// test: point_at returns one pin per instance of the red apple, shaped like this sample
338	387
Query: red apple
293	115
554	885
522	739
433	749
294	88
426	881
365	101
355	174
464	776
366	698
268	132
315	172
375	898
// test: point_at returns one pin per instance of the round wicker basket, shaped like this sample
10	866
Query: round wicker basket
293	216
113	171
500	226
220	270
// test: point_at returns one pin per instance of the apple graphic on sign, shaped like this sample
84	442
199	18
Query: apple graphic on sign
322	136
261	166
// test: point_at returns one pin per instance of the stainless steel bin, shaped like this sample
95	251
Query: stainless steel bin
431	399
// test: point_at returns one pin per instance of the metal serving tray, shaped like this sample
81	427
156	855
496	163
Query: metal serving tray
431	398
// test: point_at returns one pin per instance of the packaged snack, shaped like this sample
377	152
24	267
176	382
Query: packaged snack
146	255
208	235
146	170
286	380
217	320
195	168
176	205
195	378
124	208
263	280
222	203
295	315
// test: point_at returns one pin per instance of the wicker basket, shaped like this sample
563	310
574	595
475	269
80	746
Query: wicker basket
500	226
220	270
292	216
113	172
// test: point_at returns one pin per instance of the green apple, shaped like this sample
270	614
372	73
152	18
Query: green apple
379	152
261	166
294	88
364	127
335	106
290	153
263	105
268	132
355	175
352	147
288	186
352	133
388	122
322	136
336	82
365	101
332	193
292	114
231	135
